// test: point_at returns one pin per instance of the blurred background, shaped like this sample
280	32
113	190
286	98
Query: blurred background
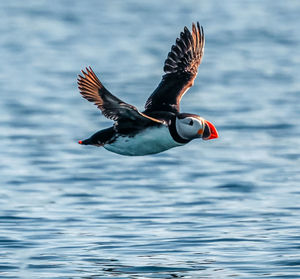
218	209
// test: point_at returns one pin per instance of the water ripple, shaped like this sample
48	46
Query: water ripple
216	209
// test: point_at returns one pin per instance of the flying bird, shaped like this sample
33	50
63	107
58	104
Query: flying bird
160	126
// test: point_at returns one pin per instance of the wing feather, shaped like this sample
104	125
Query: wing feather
181	67
112	107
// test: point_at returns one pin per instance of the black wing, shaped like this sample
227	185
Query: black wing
112	107
181	68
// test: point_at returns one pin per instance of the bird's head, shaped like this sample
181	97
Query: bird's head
190	126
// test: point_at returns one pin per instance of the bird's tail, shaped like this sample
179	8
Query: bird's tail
85	142
100	138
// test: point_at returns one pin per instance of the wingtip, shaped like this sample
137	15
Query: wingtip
80	141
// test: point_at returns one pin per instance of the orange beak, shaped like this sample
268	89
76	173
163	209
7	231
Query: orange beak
213	131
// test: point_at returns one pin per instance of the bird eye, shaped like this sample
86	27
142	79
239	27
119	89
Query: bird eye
191	122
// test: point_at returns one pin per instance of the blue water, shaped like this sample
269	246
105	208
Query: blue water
218	209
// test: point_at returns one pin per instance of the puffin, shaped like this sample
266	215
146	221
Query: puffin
161	125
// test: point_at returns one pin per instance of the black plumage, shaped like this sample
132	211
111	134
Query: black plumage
181	68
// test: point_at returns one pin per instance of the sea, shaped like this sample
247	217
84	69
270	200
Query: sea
224	208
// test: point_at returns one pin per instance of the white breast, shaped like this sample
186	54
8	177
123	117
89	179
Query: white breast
149	141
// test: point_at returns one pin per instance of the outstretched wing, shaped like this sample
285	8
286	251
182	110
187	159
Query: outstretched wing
112	107
181	68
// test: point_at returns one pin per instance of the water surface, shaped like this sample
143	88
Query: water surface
218	209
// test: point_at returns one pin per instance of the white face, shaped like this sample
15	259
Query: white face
190	127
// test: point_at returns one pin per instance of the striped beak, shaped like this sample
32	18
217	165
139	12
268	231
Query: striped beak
210	131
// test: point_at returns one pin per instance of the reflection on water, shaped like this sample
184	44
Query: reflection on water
207	210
